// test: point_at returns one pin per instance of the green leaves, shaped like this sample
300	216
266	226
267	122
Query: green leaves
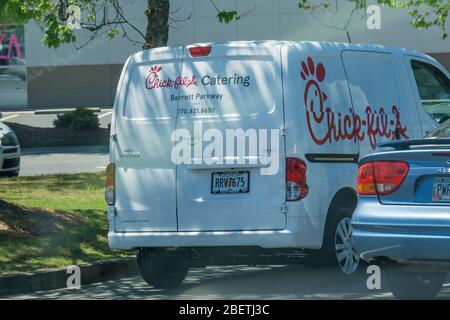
9	14
424	13
112	33
227	16
79	119
51	15
56	33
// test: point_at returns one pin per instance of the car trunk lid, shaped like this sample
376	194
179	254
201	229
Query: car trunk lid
428	178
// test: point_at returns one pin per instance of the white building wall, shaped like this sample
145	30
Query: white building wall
272	19
67	77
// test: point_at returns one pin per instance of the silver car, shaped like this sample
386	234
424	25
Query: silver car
402	220
9	152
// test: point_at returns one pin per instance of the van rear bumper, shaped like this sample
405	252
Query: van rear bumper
297	234
264	239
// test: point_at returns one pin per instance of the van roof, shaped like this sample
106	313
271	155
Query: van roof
319	46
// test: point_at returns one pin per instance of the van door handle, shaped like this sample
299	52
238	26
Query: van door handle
114	137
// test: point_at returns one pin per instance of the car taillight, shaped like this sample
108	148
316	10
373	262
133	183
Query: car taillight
110	193
200	51
365	181
296	186
381	177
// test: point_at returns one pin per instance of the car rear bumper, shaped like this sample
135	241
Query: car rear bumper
401	233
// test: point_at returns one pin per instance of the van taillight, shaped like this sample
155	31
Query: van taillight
200	51
110	193
381	177
296	186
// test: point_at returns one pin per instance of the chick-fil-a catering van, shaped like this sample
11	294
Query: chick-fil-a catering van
246	152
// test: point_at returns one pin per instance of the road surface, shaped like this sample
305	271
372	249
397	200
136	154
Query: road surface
38	161
234	282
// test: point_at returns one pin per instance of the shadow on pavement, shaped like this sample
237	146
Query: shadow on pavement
233	282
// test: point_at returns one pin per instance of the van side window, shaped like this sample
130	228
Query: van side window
434	90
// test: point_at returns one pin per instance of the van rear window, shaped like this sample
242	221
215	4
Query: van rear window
146	97
205	88
227	87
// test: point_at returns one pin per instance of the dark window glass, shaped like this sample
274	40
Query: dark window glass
434	90
443	131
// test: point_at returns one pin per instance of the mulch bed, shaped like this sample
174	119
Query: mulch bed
30	137
19	222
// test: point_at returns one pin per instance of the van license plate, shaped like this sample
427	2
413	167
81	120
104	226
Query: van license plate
230	182
441	189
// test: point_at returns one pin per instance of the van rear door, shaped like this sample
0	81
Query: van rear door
231	91
145	120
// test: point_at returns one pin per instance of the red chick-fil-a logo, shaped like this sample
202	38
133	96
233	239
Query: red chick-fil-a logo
13	44
153	80
340	127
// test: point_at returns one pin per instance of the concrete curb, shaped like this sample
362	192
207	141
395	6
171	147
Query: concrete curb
57	278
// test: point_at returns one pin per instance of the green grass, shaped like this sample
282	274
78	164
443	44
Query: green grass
81	194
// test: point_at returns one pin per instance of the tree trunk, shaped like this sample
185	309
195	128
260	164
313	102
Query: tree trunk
157	14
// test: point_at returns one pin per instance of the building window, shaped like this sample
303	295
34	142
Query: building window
13	71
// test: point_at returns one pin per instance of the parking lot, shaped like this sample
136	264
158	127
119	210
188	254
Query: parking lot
38	161
237	283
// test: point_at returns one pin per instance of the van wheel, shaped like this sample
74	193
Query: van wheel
162	269
337	250
406	285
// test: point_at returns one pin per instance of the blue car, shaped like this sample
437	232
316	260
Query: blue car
402	220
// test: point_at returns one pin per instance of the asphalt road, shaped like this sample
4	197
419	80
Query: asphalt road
234	282
38	161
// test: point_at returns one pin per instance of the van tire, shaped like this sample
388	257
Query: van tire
326	257
407	285
162	269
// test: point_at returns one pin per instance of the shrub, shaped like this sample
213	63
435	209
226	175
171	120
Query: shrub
79	119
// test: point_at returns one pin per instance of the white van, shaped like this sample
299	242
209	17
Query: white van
246	152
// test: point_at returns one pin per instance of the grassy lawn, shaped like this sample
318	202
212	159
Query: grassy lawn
58	243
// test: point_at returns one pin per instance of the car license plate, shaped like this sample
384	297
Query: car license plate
230	182
441	189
